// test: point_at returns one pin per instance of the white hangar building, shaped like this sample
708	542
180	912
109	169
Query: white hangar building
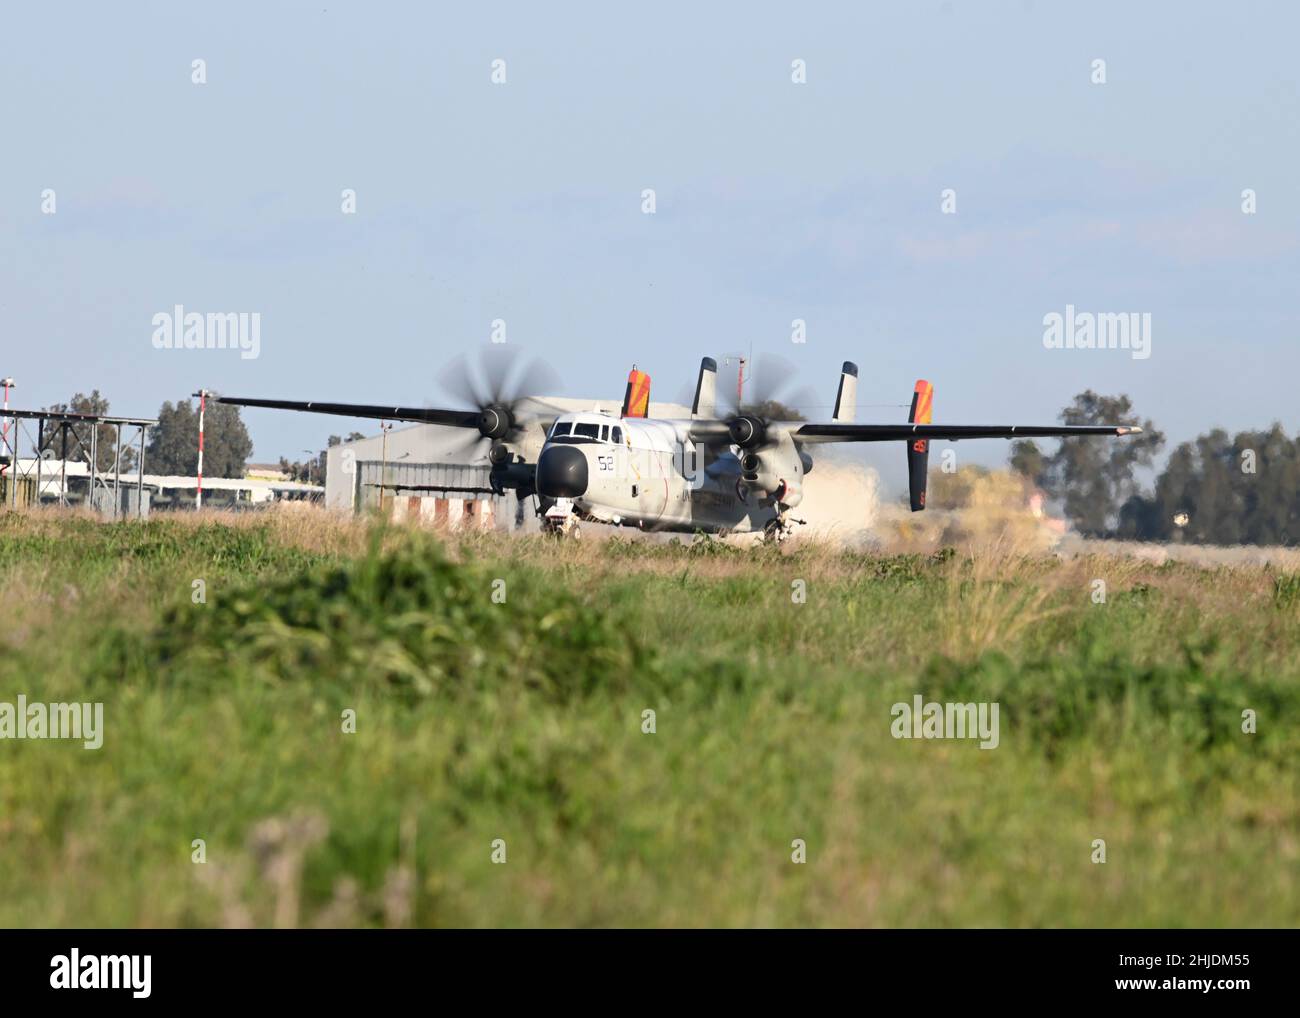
430	455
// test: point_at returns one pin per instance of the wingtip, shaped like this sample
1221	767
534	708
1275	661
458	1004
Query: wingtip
1128	430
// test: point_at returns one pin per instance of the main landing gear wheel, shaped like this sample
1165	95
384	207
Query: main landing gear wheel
560	531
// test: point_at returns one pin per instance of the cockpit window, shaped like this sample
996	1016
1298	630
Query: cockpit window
579	433
616	435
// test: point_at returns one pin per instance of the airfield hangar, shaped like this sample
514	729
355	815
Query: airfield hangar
431	473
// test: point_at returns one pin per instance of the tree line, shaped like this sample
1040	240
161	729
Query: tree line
172	446
1216	489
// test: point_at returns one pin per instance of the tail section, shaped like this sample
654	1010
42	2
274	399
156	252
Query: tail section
918	449
846	399
636	401
706	390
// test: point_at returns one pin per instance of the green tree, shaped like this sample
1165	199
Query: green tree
1271	490
1094	479
1217	489
79	435
1028	461
174	442
772	410
312	471
334	440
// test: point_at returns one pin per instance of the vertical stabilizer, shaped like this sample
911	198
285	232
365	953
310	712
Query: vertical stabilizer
636	401
706	390
918	449
846	399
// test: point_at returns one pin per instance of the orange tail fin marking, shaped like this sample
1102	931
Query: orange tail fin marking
922	403
636	402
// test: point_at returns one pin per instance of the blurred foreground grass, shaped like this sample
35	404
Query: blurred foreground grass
522	721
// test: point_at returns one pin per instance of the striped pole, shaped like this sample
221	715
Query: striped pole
13	463
383	470
203	398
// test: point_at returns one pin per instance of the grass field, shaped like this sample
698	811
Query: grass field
522	721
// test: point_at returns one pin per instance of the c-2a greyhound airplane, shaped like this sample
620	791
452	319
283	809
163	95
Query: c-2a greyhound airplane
734	474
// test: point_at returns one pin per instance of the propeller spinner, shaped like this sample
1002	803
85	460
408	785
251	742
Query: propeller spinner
499	388
747	424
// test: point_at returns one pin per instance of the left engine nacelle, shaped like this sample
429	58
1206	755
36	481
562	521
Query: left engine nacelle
759	474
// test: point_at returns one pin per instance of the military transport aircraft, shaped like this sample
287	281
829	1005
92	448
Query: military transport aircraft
731	474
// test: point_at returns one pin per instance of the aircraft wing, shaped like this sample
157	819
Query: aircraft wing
421	415
952	432
710	432
444	488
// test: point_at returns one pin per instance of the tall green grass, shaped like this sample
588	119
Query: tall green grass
483	722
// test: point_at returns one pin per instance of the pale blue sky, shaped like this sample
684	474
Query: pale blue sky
775	201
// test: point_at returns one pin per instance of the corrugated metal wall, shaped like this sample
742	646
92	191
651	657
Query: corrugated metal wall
427	476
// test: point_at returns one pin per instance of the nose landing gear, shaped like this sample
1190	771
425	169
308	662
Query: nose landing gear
560	520
779	528
561	529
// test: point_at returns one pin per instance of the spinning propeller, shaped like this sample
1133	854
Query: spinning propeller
499	390
747	423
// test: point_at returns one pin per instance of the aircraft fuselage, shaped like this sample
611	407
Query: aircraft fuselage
649	474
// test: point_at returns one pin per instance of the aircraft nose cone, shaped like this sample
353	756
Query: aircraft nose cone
561	472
